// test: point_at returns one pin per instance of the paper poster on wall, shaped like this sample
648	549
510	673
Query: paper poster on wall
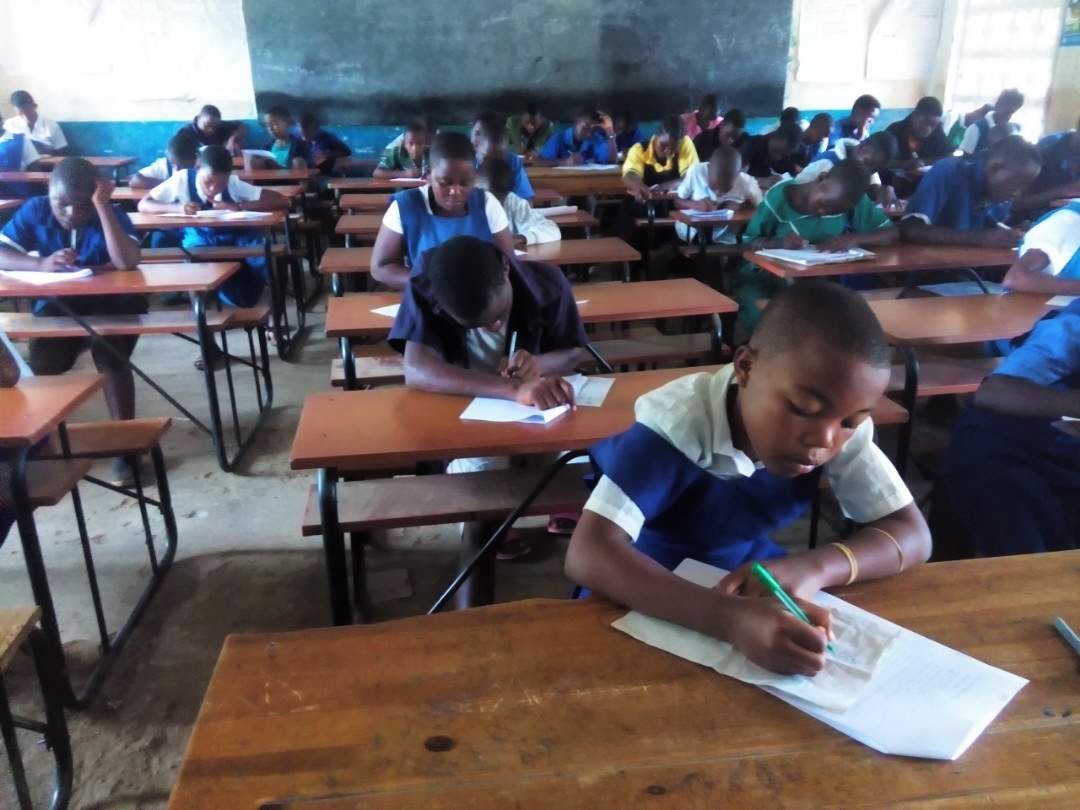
832	41
904	40
1070	33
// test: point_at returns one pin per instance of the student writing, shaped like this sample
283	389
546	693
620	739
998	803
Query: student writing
527	225
920	142
658	167
528	132
771	156
716	462
290	151
858	122
720	183
1059	177
407	157
875	153
419	219
703	118
591	139
730	132
489	140
324	148
1049	260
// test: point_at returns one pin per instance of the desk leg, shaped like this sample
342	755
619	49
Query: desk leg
337	575
11	744
296	273
335	285
277	302
206	340
650	233
908	399
348	363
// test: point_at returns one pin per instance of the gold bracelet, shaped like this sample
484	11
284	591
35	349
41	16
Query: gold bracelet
847	552
895	542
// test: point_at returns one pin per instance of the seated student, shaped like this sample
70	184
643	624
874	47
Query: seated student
977	135
770	156
790	115
875	153
857	123
720	183
529	132
407	157
209	130
47	136
1060	174
591	139
1049	260
419	219
180	153
77	225
627	132
1011	475
834	213
17	154
323	147
12	369
659	166
921	142
489	140
967	202
717	462
731	132
290	151
703	118
961	123
815	139
527	225
214	186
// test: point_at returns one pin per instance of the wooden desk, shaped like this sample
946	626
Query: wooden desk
570	171
904	258
540	703
41	178
276	176
9	205
366	226
159	222
361	226
545	196
32	410
586	184
373	184
117	164
575	219
129	194
950	320
365	203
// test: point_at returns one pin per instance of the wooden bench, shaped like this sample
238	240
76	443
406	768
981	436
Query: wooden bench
428	500
110	439
940	375
210	253
25	326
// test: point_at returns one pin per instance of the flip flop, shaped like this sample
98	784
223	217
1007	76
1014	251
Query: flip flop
513	546
563	525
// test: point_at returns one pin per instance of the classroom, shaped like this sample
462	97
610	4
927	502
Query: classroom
544	406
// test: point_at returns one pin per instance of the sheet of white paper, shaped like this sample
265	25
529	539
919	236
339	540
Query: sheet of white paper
557	210
824	23
1061	300
810	256
904	40
719	214
389	311
964	288
488	409
922	699
405	180
594	391
1070	419
261	153
42	279
520	252
582	301
590	167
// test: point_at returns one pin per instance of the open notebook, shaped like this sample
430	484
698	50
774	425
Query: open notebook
887	687
808	257
719	214
588	392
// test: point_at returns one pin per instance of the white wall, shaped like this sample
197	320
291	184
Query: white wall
115	60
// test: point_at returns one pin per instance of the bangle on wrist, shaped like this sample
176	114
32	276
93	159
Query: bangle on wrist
895	542
852	562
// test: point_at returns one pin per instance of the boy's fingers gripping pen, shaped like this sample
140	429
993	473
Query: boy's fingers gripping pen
769	582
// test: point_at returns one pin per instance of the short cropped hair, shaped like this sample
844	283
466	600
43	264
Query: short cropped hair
790	115
309	120
21	99
464	274
788	132
452	146
736	117
884	147
491	124
822	119
837	315
278	111
499	176
217	159
210	110
725	152
672	126
1013	149
853	177
1012	97
929	105
708	100
417	127
866	102
74	174
183	145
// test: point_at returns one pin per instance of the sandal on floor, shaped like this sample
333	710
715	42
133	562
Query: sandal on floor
217	360
513	546
563	525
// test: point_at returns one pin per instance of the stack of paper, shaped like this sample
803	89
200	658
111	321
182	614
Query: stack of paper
557	210
218	213
809	257
719	213
40	279
588	391
590	167
891	689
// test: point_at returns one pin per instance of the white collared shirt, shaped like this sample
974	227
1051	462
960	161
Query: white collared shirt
971	135
175	190
44	131
695	186
158	170
528	222
1058	236
29	151
821	166
691	414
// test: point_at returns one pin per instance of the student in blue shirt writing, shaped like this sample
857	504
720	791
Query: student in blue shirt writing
717	462
1013	471
591	139
77	225
1060	175
1049	259
967	201
290	151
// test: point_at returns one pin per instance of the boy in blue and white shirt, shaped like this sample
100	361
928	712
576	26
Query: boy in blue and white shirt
1049	260
180	154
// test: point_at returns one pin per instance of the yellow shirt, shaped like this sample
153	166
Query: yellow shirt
641	156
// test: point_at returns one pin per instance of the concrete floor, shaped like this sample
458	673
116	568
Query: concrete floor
242	567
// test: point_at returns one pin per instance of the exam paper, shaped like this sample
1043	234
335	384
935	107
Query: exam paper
589	167
1061	300
217	213
809	257
489	409
520	252
390	311
593	392
557	210
719	213
39	279
922	699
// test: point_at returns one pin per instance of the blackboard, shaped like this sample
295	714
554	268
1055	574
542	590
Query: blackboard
387	61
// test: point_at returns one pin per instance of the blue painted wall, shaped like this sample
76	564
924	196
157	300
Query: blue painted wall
146	139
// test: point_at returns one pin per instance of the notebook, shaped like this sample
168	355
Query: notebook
557	210
809	257
489	409
719	213
1061	300
389	311
590	167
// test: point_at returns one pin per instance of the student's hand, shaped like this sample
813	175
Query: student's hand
61	260
731	205
793	241
1001	237
574	159
413	172
221	205
839	243
797	574
520	242
887	198
523	365
529	157
545	392
318	157
103	192
190	208
607	124
233	144
763	631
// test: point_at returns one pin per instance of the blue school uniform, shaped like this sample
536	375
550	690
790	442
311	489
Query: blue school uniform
324	141
951	195
294	148
843	128
424	230
33	227
624	140
594	149
1014	482
1058	166
243	288
522	186
11	155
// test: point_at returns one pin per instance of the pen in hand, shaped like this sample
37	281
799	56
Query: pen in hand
772	586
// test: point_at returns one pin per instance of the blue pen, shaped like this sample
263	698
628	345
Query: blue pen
1067	633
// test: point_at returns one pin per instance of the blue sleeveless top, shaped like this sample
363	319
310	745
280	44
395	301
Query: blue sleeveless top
424	230
689	512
